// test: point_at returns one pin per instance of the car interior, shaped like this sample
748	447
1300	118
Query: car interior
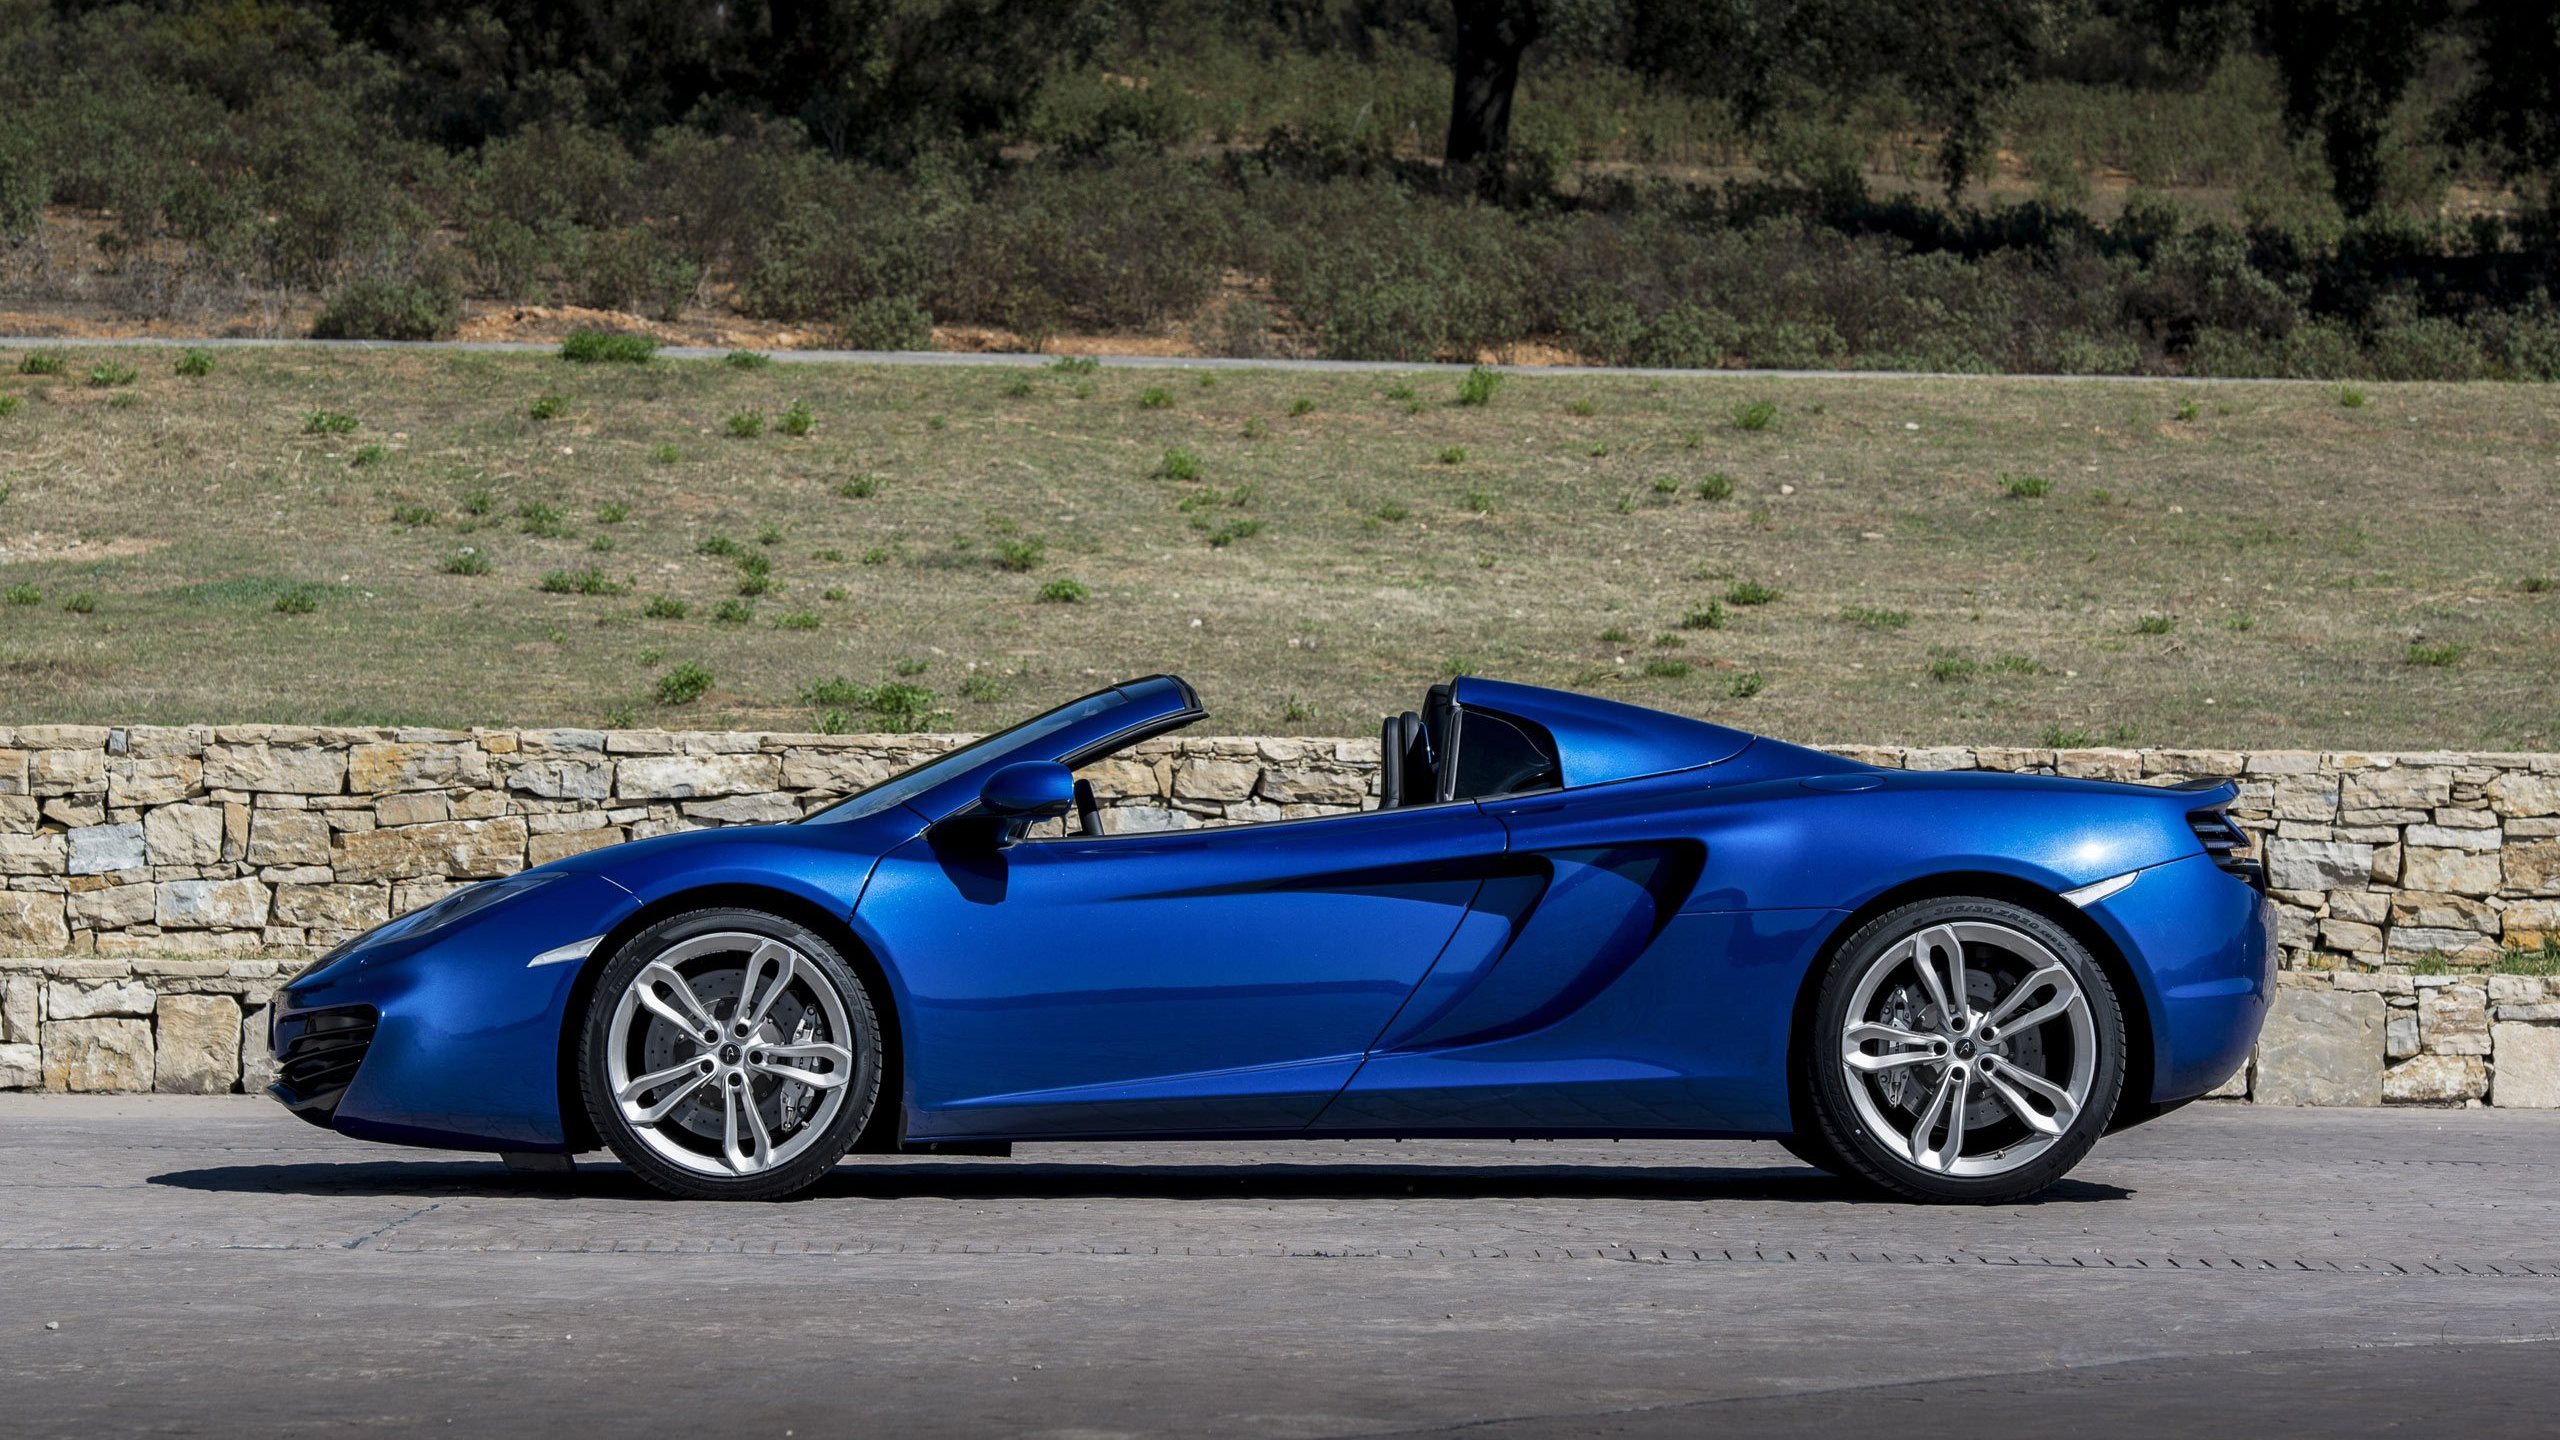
1442	753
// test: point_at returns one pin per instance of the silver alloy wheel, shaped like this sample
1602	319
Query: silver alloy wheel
742	1053
1968	1032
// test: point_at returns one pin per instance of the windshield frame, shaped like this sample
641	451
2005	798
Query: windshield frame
1072	722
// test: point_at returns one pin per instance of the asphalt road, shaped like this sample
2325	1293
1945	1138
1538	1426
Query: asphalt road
215	1267
933	358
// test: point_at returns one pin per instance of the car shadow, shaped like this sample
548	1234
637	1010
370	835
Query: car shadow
975	1179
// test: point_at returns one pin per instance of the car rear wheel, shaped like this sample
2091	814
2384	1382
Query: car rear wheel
730	1054
1964	1049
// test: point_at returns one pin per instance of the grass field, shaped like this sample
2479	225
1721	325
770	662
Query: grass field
293	536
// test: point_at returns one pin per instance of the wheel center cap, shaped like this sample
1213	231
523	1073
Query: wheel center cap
728	1054
1964	1049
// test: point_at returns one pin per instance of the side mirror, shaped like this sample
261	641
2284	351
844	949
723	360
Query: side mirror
1030	790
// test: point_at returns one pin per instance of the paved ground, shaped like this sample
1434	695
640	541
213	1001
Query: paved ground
214	1266
1122	362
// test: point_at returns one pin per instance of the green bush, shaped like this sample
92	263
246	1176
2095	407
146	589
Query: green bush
389	310
886	323
194	363
607	347
683	684
632	268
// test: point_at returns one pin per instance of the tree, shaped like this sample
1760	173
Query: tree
1951	58
1486	44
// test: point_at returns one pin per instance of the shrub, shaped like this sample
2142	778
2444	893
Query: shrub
633	268
2351	398
329	422
1661	668
684	684
1718	486
2436	655
1232	531
885	322
746	424
479	502
733	612
1063	592
578	582
2026	487
1754	415
607	347
82	603
1303	405
860	487
40	362
1876	619
541	519
368	456
298	600
1478	386
1075	365
2538	585
665	455
1666	485
195	363
799	419
612	512
1179	464
1951	669
664	607
389	310
111	373
746	360
1711	617
797	620
8	406
1747	684
1023	552
466	561
547	407
1453	455
23	594
1391	512
2155	625
1749	592
719	547
1154	397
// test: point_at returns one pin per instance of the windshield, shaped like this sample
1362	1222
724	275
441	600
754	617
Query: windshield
907	784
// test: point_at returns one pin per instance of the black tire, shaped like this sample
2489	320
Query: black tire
815	962
1843	1127
1808	1146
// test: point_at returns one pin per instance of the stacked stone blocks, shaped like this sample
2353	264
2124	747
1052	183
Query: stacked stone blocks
157	883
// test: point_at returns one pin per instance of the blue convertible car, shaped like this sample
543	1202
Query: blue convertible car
1563	917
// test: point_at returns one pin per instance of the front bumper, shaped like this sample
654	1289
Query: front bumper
451	1039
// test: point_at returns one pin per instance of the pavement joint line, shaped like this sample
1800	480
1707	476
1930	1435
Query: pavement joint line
2511	1269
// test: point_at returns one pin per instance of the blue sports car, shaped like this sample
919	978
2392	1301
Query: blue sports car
1563	916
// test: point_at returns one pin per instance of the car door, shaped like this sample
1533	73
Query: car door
1224	980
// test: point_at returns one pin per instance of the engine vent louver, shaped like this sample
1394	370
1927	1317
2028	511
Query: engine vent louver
2228	844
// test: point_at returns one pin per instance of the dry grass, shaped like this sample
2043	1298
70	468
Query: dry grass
1311	576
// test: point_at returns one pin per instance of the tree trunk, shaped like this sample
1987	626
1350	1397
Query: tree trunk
1485	69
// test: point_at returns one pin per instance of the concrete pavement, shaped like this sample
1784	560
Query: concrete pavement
214	1266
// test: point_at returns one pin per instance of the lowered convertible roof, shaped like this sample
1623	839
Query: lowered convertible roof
1603	740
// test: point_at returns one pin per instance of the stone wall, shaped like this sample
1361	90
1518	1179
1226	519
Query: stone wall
159	882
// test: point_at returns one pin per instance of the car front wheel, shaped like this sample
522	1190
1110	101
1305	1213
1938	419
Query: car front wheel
1965	1049
730	1054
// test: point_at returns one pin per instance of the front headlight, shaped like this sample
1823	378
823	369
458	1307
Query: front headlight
471	900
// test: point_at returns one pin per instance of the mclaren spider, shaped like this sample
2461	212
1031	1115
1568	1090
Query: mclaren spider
1557	916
